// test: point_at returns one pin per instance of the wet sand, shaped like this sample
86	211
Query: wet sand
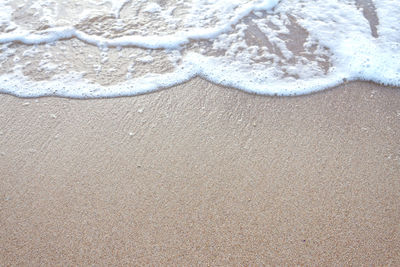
202	175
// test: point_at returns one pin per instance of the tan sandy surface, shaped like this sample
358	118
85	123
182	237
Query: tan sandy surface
200	174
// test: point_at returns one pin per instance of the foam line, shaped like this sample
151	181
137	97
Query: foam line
173	41
296	47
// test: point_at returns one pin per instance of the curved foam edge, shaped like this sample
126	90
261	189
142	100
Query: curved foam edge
196	65
173	41
355	58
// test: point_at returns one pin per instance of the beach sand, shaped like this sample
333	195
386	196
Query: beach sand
200	174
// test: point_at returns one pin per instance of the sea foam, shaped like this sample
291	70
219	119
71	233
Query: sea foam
110	48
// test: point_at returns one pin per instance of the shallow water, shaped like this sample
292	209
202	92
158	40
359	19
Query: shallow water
98	48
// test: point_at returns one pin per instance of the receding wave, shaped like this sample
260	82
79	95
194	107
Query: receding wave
106	48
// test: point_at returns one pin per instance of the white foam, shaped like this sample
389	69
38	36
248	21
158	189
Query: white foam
117	5
339	46
389	25
152	8
5	13
173	41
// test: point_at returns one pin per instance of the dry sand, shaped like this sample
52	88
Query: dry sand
200	174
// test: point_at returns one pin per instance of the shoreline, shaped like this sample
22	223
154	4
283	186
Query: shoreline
196	79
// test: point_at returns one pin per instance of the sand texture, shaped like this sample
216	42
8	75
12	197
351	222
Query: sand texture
202	175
